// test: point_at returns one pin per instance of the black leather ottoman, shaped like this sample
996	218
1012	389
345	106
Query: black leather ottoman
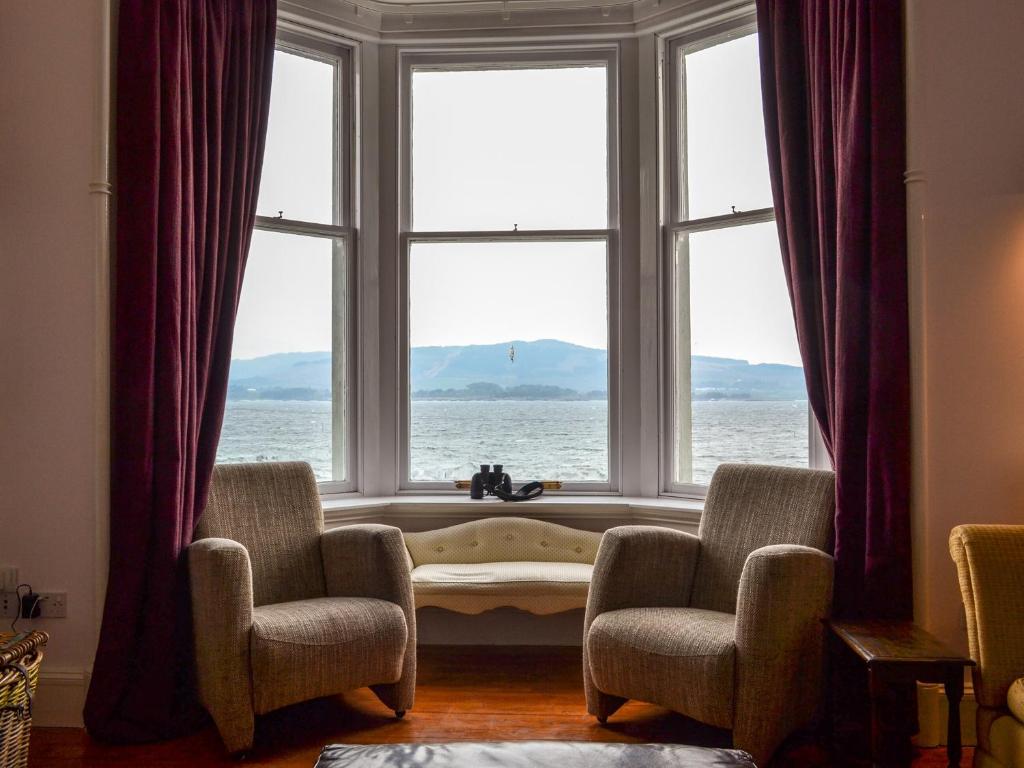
528	754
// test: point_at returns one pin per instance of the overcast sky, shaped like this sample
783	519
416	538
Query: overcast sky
496	149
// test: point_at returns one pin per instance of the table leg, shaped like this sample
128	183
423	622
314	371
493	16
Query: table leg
877	687
954	693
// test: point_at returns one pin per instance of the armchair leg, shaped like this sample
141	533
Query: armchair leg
603	705
398	697
399	714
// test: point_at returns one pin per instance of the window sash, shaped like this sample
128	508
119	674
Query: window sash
610	239
497	57
673	121
340	57
344	401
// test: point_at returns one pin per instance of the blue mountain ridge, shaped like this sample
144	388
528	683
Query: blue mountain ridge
544	369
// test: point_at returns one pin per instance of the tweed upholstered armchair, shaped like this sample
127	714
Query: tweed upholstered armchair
284	611
726	626
990	563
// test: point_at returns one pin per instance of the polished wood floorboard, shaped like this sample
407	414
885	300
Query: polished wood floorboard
463	694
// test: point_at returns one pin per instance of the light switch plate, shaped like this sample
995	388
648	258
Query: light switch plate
8	578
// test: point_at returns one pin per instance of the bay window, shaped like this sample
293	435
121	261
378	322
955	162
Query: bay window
515	301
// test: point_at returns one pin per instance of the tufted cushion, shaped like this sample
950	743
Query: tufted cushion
503	540
310	648
476	587
681	658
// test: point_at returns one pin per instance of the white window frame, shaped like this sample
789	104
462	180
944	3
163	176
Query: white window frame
672	50
343	234
497	56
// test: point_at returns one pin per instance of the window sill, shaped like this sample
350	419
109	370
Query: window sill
411	512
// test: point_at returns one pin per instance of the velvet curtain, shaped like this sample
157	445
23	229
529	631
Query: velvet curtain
193	93
832	83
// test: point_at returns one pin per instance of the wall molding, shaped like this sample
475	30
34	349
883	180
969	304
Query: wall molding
101	189
60	697
463	20
932	713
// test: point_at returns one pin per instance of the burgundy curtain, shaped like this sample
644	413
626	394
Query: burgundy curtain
832	81
193	91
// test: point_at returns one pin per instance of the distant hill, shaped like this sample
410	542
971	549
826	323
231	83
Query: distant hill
542	370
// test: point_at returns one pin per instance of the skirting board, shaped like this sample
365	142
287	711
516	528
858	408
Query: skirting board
933	713
60	698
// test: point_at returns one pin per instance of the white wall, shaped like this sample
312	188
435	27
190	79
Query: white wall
51	356
966	187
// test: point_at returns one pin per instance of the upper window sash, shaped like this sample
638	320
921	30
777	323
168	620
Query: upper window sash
342	201
675	49
541	57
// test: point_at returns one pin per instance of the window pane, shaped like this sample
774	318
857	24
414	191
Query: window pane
726	157
740	391
298	164
493	149
285	392
509	360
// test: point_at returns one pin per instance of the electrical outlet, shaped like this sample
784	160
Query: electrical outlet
8	604
52	605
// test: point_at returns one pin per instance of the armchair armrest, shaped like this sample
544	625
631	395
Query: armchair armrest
220	577
637	566
785	592
367	561
372	561
988	562
642	566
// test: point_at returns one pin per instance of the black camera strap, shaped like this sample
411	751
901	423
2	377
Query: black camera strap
527	492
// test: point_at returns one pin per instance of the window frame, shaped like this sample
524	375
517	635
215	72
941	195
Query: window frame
340	54
672	50
502	57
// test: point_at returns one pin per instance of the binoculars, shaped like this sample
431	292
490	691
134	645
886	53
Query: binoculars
486	481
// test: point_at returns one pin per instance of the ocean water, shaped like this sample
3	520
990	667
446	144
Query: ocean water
534	439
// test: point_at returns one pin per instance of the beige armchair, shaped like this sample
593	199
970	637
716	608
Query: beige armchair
284	611
990	564
726	626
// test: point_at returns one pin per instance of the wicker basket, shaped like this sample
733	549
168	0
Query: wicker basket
19	676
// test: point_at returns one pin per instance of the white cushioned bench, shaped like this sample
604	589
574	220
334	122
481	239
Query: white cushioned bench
502	561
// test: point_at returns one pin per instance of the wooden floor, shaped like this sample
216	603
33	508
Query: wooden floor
462	694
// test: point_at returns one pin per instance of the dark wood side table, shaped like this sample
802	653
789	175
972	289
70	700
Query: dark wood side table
896	652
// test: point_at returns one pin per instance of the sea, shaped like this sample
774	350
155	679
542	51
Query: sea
534	439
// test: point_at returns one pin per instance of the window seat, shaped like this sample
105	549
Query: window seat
495	562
